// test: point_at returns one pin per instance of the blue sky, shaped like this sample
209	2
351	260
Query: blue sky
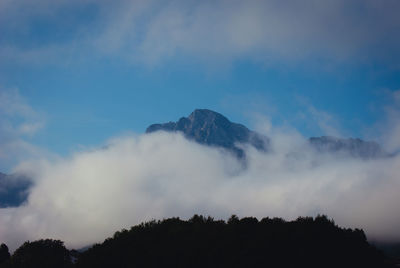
76	73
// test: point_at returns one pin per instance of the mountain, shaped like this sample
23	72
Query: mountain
353	147
13	190
213	129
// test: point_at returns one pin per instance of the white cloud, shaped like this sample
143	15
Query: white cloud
84	198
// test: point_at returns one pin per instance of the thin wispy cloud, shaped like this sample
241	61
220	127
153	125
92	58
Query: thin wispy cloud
18	122
392	120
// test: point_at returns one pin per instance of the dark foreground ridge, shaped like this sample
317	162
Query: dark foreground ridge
205	242
213	129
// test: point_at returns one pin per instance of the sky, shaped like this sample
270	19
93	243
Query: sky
89	69
75	75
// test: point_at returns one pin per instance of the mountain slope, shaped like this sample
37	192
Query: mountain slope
353	147
13	190
213	129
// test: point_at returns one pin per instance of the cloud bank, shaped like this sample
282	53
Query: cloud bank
151	32
85	198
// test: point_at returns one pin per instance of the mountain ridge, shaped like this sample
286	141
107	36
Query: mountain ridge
355	147
208	127
211	128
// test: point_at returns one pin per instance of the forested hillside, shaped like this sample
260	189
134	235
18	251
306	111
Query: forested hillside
205	242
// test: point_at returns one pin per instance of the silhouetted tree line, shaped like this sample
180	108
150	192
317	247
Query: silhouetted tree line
205	242
45	253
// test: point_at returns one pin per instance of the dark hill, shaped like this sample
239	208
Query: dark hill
204	242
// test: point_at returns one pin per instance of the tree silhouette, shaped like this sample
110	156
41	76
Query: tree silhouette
205	242
42	253
246	242
4	254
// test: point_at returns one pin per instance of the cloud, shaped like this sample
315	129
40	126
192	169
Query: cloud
319	120
152	33
84	198
18	122
12	104
391	109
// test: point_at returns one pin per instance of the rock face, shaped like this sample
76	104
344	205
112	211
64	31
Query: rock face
213	129
13	190
350	146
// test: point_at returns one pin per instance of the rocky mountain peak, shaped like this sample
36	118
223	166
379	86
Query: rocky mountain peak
211	128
